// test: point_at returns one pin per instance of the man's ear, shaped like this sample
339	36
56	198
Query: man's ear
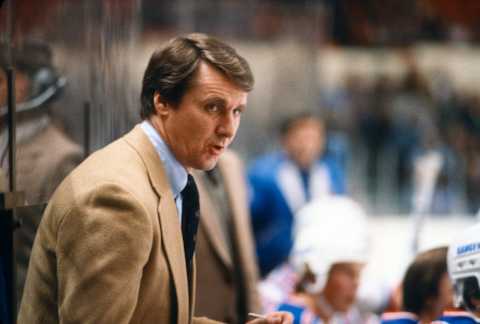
162	108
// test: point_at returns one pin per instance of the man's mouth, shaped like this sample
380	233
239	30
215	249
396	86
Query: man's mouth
217	149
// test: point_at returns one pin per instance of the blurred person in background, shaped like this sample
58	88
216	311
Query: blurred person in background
227	271
329	254
426	290
471	118
375	126
284	181
412	109
45	154
464	273
448	195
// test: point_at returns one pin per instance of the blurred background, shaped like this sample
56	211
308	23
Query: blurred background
396	82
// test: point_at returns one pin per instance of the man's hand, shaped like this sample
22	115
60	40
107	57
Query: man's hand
274	318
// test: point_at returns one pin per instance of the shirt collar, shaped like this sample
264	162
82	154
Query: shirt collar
177	174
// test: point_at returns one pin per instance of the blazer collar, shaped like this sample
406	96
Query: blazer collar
168	216
156	172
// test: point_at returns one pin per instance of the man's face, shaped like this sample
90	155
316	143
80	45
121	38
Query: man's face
342	284
205	122
304	142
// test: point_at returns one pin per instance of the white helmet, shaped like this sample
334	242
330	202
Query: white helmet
328	230
464	267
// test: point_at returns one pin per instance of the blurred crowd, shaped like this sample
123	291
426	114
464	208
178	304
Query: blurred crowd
375	23
402	124
340	22
408	127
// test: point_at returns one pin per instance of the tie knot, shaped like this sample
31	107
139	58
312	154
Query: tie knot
190	199
190	189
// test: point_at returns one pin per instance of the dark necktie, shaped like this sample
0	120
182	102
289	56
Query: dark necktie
190	218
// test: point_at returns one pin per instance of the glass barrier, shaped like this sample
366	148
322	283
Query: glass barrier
73	90
73	94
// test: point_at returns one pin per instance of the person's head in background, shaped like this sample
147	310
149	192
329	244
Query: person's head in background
36	80
426	289
303	138
330	251
200	84
464	270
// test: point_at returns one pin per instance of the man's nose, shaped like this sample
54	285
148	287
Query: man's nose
228	125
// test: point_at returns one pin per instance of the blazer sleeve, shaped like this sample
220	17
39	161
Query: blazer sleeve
103	243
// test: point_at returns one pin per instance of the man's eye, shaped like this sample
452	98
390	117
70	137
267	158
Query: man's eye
212	108
238	111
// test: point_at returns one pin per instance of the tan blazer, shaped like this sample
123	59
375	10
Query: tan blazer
216	287
109	247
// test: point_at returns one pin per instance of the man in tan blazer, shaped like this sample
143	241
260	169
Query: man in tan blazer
226	264
109	248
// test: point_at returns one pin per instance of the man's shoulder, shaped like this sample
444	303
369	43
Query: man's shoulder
115	156
115	163
105	176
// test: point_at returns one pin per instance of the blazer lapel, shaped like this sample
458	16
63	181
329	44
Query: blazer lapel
210	222
237	197
168	216
231	168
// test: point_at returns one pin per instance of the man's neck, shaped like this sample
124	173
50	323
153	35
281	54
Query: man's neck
157	124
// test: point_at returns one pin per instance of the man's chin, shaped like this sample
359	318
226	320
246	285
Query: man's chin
207	165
